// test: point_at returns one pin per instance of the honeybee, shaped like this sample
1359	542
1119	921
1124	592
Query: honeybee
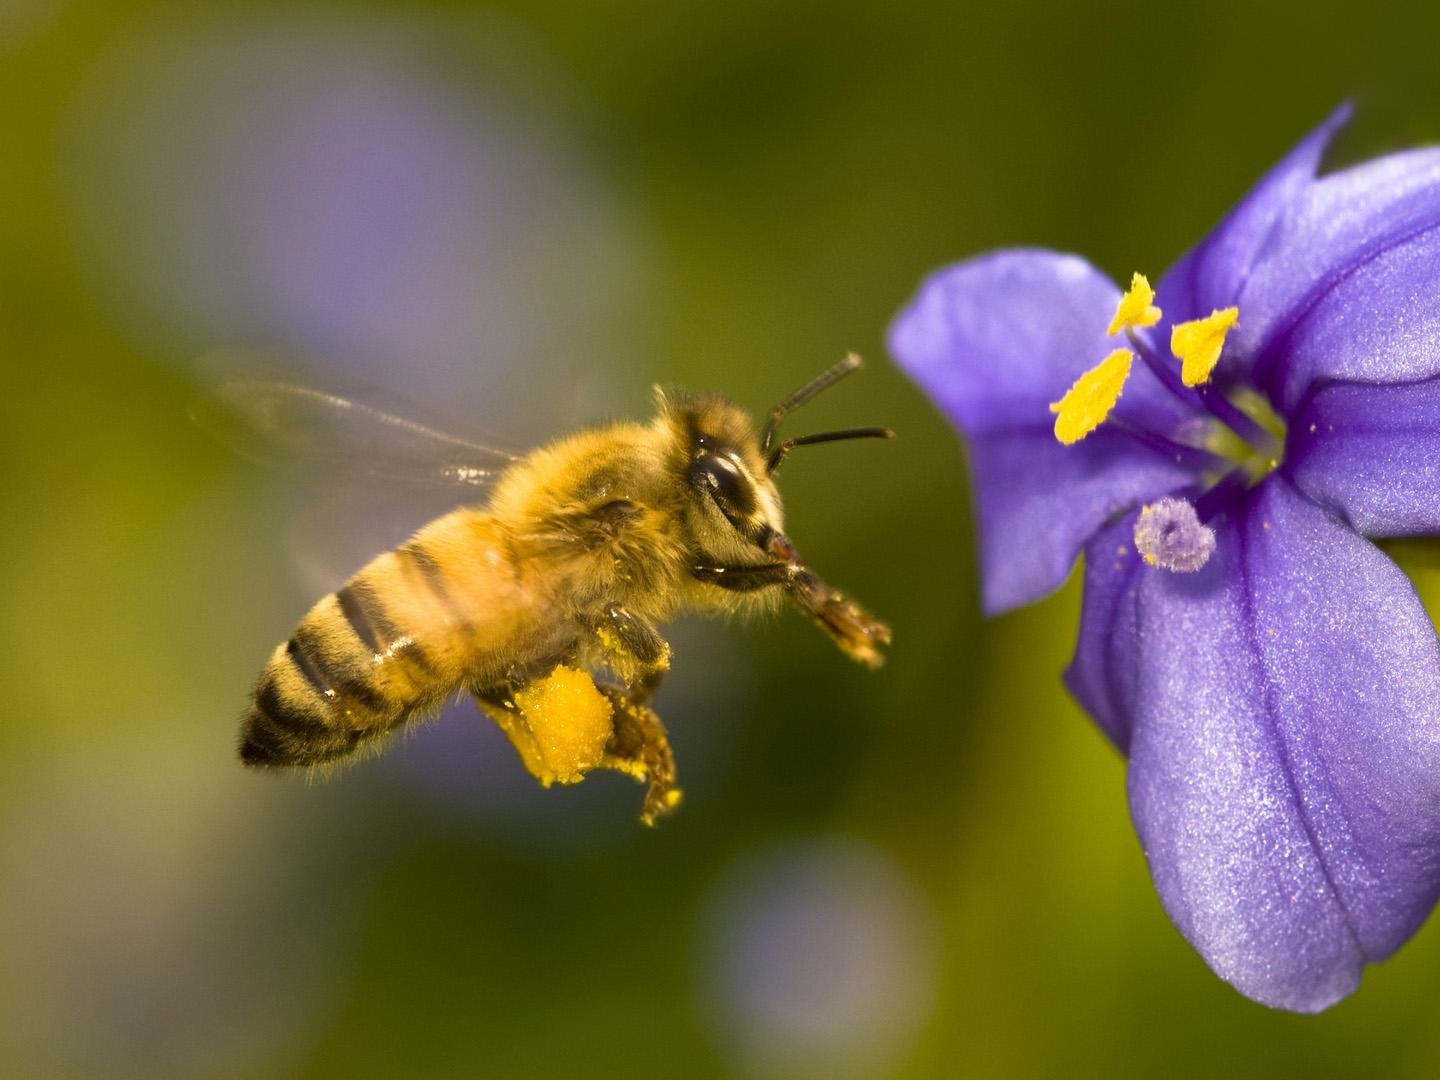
544	602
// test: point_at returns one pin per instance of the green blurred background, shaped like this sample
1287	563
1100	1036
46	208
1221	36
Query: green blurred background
517	217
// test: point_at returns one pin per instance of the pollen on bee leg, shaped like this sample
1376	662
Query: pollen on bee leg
1170	535
569	721
1197	344
1136	307
1088	402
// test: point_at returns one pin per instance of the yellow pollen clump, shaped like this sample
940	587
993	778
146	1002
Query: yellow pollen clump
1197	344
570	721
1136	307
1086	404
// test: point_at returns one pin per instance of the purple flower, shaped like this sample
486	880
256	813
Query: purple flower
1269	672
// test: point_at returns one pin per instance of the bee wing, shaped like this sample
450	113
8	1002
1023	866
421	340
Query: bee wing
272	421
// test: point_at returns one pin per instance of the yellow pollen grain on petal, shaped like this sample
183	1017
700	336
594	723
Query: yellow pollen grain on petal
1136	307
1197	344
1086	404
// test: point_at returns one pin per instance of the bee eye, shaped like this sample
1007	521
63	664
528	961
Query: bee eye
730	488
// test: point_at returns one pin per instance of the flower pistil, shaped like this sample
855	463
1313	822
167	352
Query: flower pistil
1169	534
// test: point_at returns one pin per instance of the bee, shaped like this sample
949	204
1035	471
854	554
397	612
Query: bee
544	601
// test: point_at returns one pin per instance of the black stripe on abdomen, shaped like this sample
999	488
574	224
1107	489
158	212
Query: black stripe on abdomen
305	661
367	618
289	715
372	625
280	730
341	676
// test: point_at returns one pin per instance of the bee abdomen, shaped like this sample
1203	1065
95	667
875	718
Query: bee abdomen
322	694
281	728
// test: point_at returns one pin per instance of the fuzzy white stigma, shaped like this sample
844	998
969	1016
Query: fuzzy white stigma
1169	534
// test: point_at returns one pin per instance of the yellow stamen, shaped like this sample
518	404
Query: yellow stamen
1086	404
1197	344
1136	307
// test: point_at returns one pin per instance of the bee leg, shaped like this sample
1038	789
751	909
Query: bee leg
560	724
563	725
640	748
858	634
743	578
499	705
637	636
633	649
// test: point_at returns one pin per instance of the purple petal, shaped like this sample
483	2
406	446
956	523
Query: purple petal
1350	266
1038	502
994	341
1213	273
1371	455
1285	762
1102	675
1379	322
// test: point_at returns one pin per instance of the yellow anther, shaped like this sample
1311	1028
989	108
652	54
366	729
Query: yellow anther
1086	404
1197	344
1136	307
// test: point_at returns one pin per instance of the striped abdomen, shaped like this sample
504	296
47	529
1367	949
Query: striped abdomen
396	639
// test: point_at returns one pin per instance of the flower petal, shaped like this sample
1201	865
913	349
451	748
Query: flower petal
1215	270
994	341
1285	761
1371	455
1103	672
1377	322
1038	502
1353	250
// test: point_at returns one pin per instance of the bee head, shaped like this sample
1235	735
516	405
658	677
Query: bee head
730	468
733	508
735	484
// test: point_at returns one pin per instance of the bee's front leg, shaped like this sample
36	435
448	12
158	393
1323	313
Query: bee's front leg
858	634
743	579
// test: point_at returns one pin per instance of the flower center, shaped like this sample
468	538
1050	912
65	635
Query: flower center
1240	442
1260	451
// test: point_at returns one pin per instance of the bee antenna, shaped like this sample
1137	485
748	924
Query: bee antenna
826	379
784	448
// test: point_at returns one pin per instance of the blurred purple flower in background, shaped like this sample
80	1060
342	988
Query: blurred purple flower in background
1270	674
396	199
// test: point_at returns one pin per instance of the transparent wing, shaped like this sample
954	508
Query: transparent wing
275	421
